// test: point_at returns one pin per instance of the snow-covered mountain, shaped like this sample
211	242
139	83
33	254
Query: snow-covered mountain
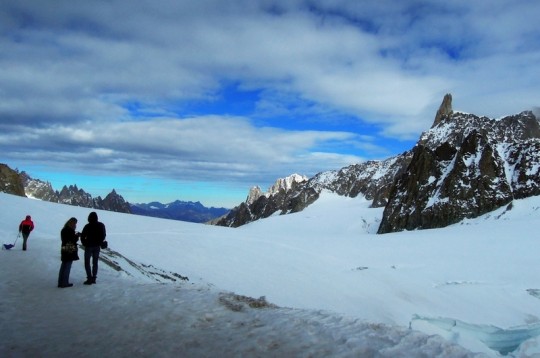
317	283
462	167
281	184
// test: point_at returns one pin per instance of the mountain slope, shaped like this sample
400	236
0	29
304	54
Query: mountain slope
9	181
462	167
372	179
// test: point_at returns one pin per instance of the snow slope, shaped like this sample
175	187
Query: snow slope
340	290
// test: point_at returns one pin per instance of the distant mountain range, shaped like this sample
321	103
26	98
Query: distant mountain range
179	210
21	184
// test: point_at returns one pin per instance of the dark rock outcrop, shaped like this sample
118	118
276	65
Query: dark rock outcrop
112	202
72	195
10	182
292	199
463	167
373	179
38	189
445	109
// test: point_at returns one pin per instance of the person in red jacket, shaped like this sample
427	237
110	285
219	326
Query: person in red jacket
25	228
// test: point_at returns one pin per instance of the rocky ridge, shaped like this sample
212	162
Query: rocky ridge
72	195
462	167
10	181
284	184
21	184
373	179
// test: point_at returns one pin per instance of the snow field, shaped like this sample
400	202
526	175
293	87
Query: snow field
341	290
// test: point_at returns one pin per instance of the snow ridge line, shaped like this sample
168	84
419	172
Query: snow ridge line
114	259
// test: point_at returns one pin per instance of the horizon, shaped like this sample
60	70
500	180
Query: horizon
201	101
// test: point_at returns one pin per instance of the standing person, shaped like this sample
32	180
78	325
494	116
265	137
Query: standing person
68	252
92	236
25	228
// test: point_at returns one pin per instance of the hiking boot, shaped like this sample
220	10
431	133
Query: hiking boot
88	282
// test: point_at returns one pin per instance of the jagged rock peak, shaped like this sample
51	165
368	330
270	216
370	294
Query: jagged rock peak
285	184
464	167
254	194
444	110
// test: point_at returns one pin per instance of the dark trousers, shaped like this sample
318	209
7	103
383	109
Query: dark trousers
91	252
63	275
25	239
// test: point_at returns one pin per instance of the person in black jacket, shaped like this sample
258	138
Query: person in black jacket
92	237
68	252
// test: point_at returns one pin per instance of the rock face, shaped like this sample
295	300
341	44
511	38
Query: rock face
445	109
78	197
72	195
112	202
254	194
462	167
260	205
38	189
373	179
10	181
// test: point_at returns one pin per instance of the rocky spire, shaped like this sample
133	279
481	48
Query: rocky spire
444	110
254	194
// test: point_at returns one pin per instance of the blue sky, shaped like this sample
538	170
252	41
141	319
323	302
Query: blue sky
200	100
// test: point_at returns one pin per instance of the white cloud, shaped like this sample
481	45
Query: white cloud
388	64
192	148
327	57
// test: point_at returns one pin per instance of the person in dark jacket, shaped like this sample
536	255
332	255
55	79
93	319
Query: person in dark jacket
92	237
68	251
25	228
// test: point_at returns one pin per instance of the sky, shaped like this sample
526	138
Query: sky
201	100
468	290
